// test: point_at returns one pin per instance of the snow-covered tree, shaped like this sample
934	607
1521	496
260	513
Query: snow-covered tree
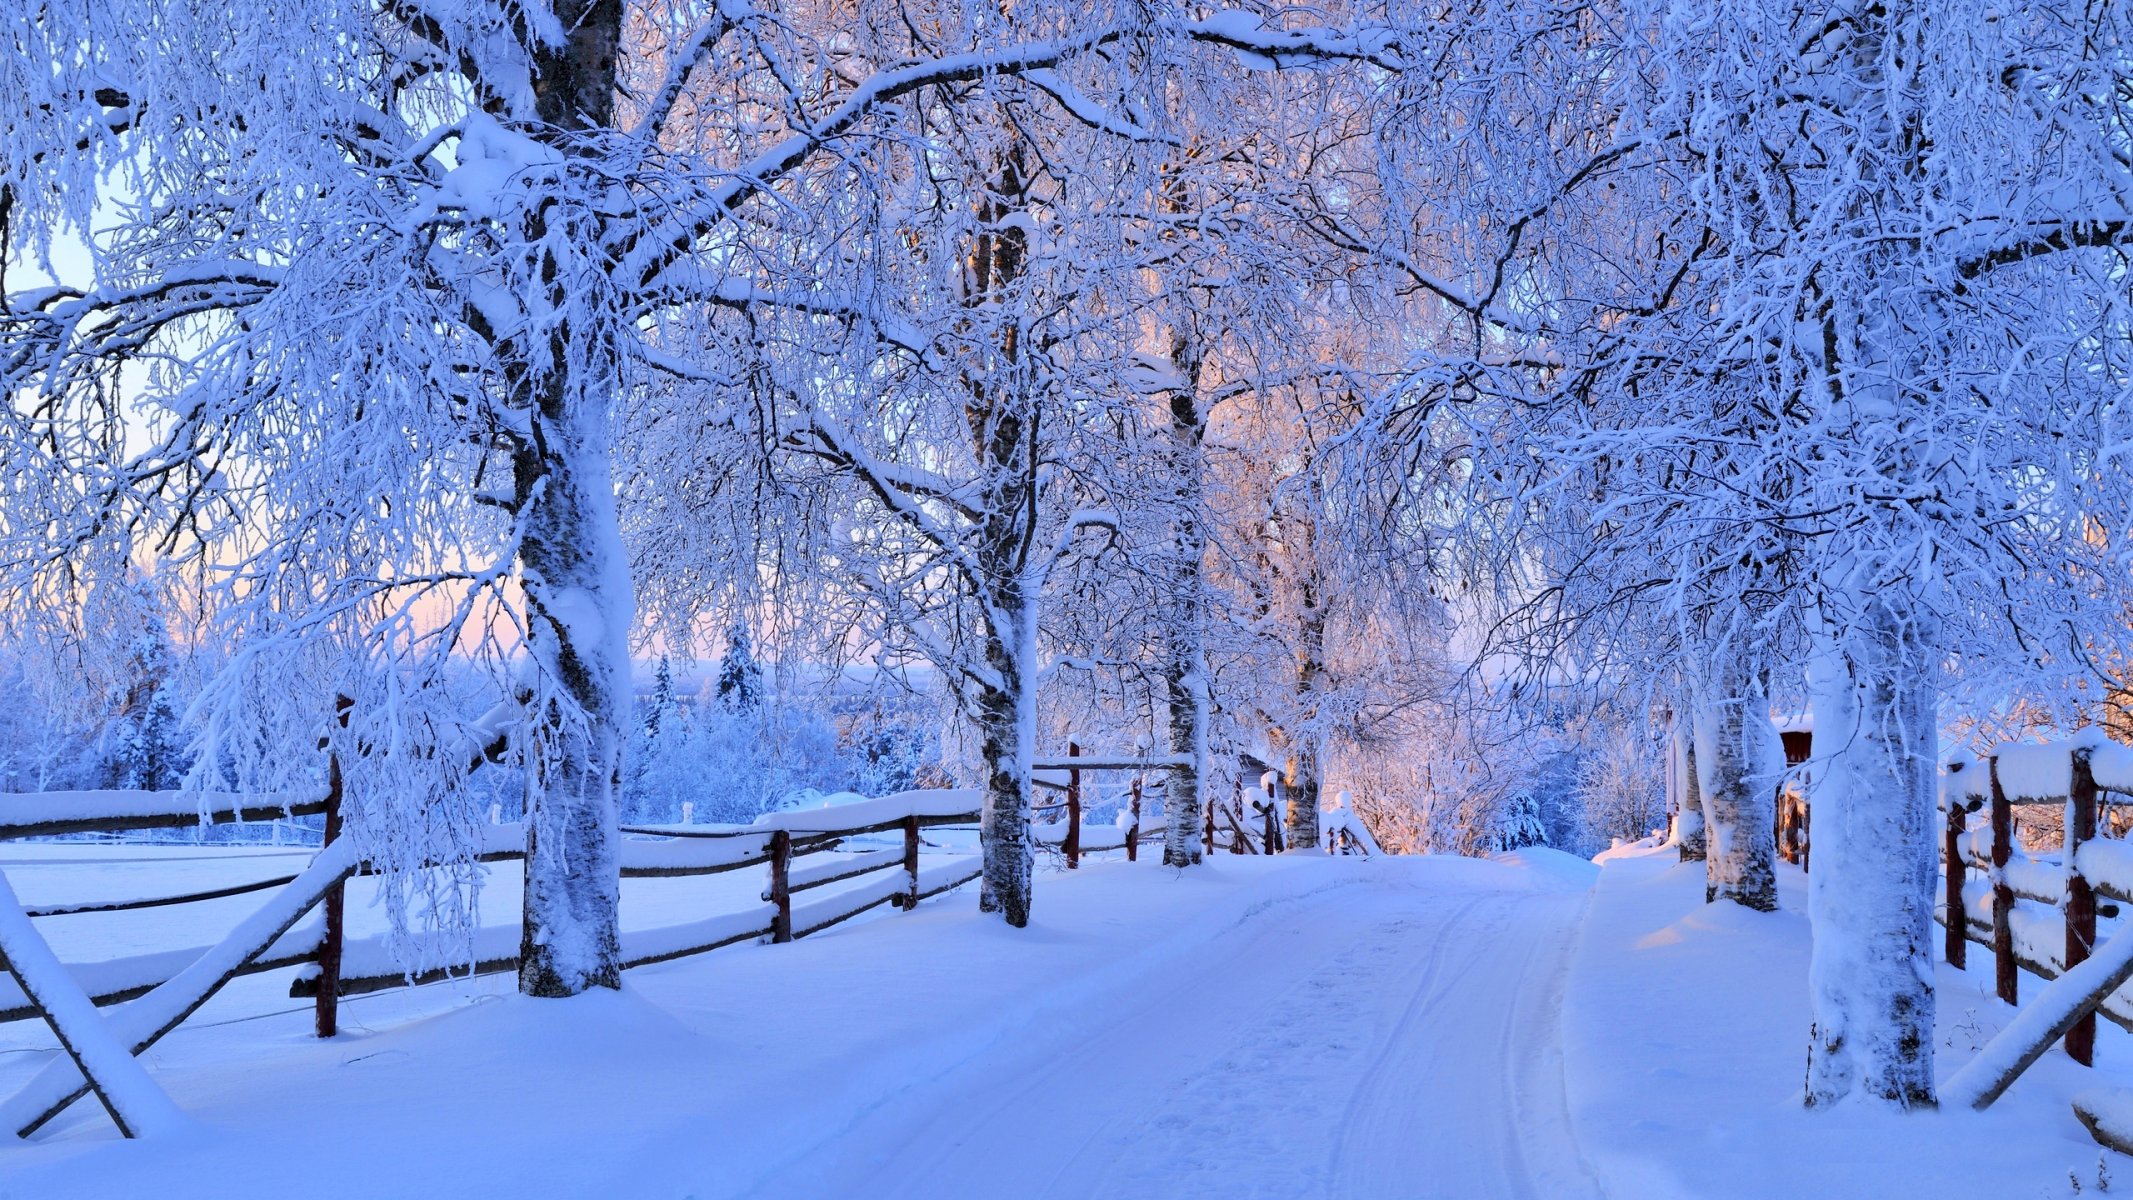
739	688
1520	825
496	227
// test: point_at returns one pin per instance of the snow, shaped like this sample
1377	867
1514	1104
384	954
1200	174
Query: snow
810	1081
2108	1112
1682	1026
1342	816
2107	863
1981	1080
2041	771
2031	877
1482	1025
819	869
111	976
2110	764
1096	836
1966	784
2036	772
927	802
638	855
1550	867
141	1021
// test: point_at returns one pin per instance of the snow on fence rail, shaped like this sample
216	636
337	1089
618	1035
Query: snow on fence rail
40	814
2035	912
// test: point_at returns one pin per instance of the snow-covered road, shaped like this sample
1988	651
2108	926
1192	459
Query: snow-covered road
1392	1041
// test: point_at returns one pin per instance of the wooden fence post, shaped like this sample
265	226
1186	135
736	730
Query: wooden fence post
1208	838
911	860
1957	943
781	885
1133	831
1073	833
1807	834
326	1006
2080	897
1266	827
2003	897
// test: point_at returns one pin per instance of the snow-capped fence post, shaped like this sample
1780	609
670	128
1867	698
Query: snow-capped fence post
1957	943
1133	831
2080	897
2003	897
326	1006
1072	843
910	903
781	885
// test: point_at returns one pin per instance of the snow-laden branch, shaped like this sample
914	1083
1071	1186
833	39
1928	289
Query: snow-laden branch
682	61
649	261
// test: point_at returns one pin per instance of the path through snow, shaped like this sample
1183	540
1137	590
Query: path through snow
1379	1042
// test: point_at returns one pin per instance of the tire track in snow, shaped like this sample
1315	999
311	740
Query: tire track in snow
1467	1100
1396	1042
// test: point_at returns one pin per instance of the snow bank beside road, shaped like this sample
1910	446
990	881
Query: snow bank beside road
1685	1030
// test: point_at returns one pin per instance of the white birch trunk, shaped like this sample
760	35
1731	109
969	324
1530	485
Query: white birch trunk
1688	837
1300	771
575	575
578	610
1185	681
1870	982
1006	720
1734	743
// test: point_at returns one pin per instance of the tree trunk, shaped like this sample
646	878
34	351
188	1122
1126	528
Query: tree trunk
1300	773
1688	812
1006	719
1301	784
1738	780
1870	981
578	609
1001	416
575	576
1185	631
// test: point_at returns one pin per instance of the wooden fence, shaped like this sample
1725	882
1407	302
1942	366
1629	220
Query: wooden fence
783	844
157	991
2035	912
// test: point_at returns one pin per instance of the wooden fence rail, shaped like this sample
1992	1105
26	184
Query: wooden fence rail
2034	914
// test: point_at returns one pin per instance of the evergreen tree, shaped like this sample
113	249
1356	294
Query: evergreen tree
144	744
662	702
740	678
1523	825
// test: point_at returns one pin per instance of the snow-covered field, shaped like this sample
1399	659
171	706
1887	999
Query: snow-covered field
1295	1027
